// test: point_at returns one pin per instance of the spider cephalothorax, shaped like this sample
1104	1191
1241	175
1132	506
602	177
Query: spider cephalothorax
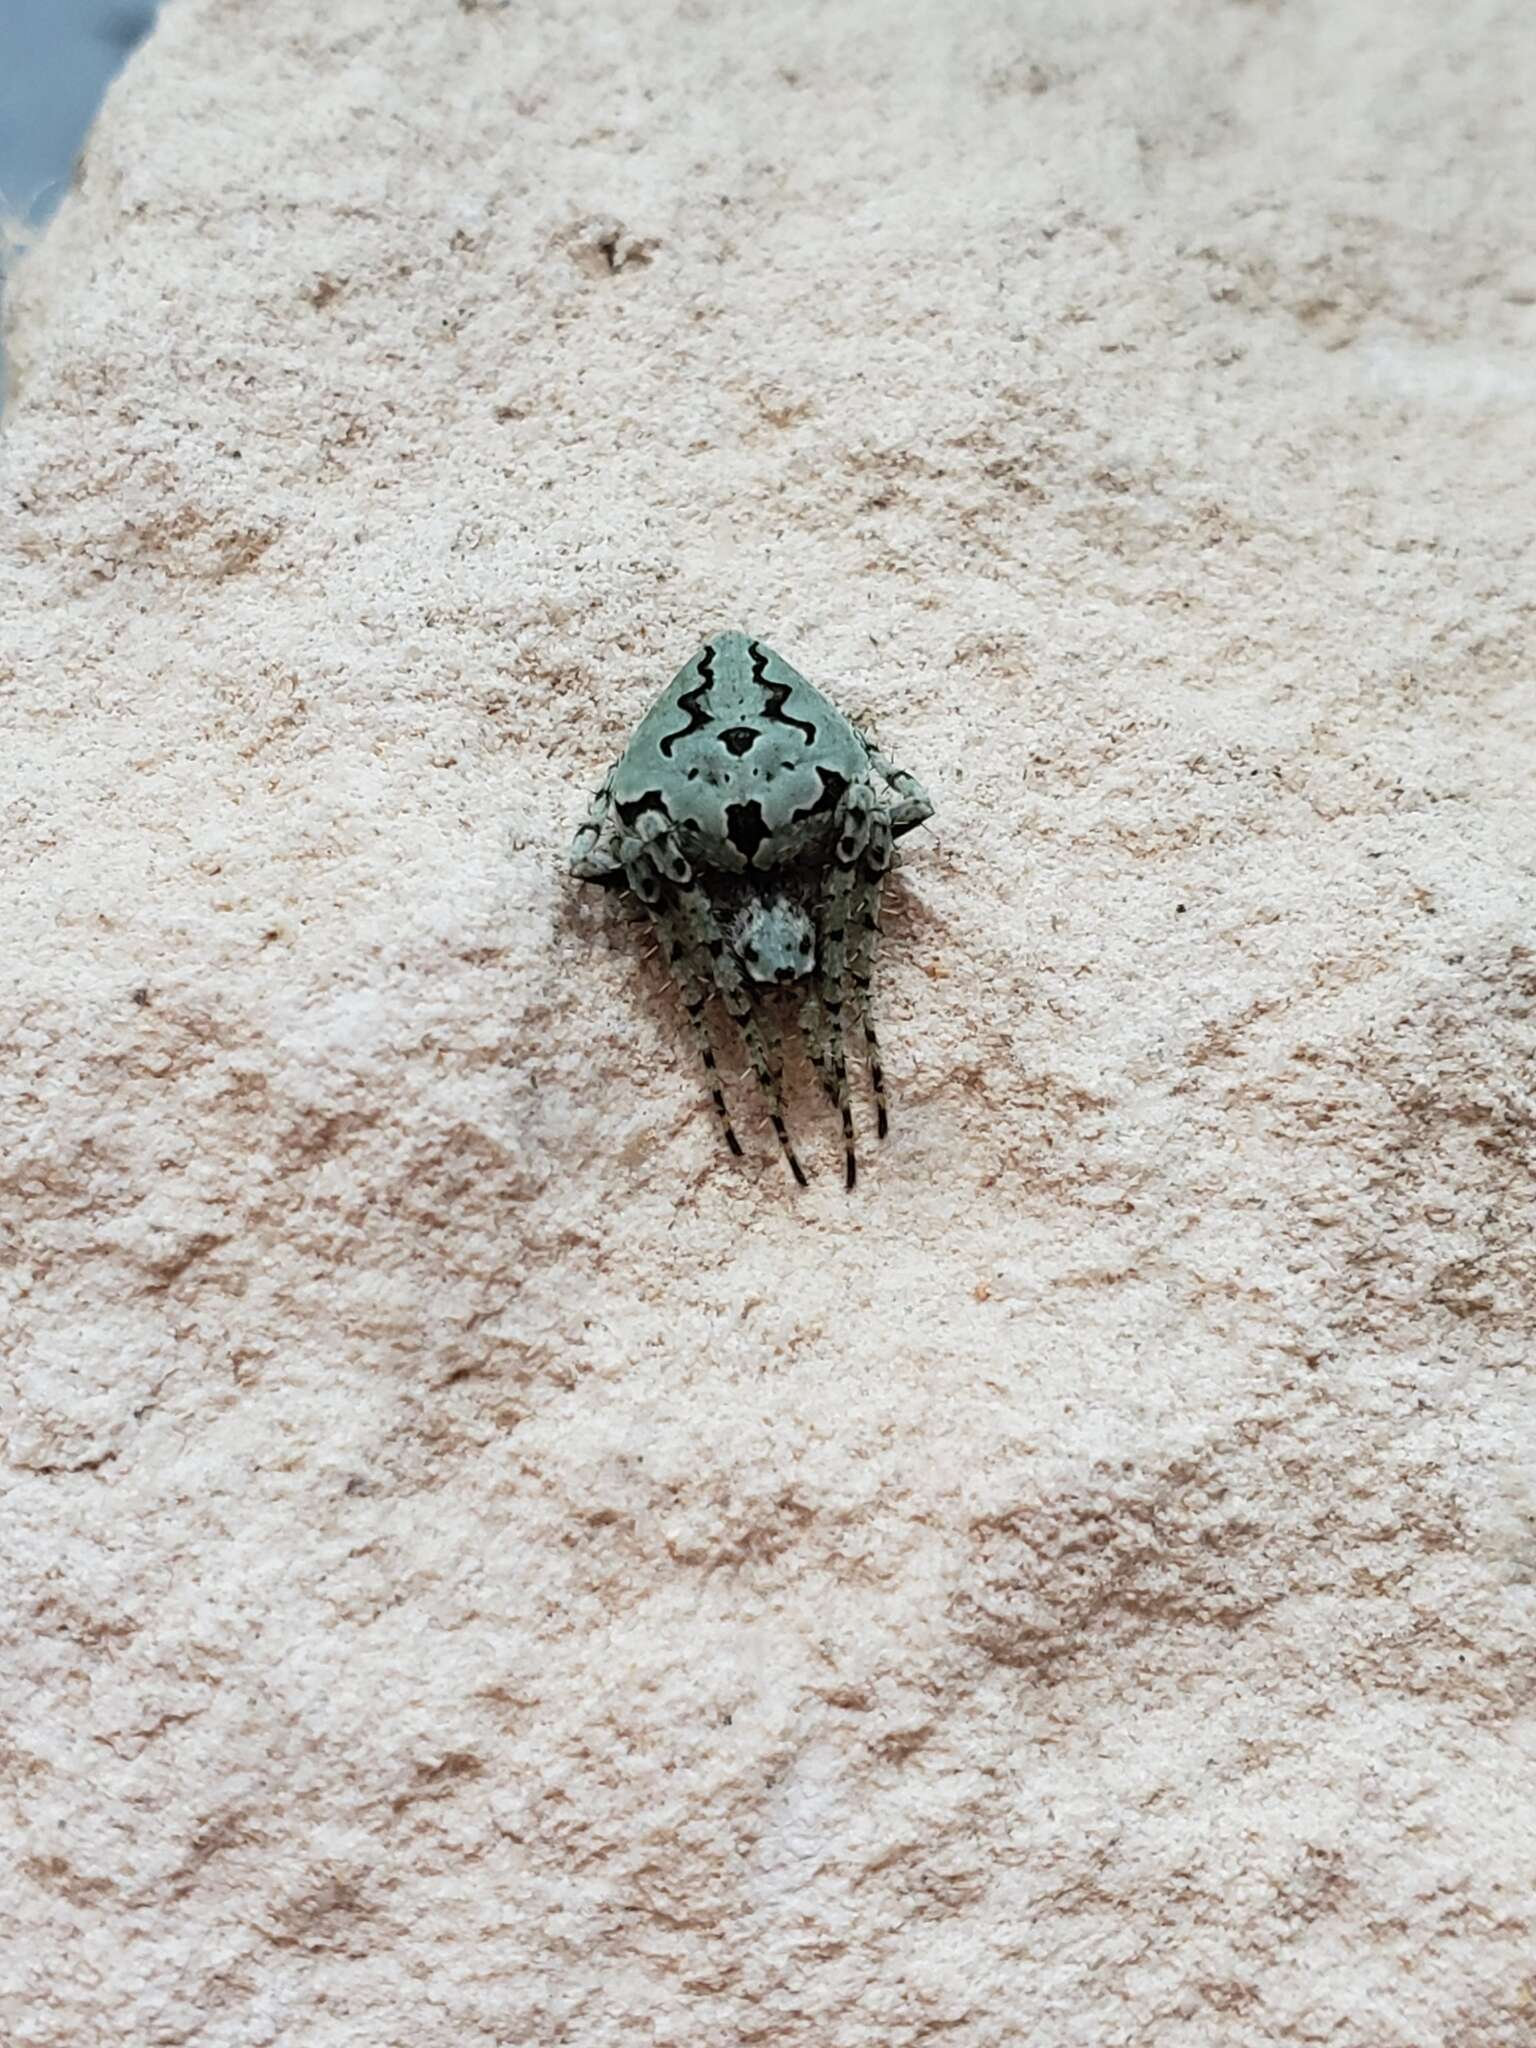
773	938
752	822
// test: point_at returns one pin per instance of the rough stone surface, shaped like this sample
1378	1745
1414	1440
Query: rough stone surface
482	1568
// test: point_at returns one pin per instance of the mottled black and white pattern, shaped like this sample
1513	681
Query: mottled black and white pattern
756	826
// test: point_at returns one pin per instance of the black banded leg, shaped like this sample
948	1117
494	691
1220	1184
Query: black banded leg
694	991
652	867
813	1029
694	1003
916	806
839	1065
877	1078
714	962
834	983
593	857
764	1066
861	962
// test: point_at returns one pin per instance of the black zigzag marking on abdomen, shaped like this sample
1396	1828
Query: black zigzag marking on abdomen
777	694
692	701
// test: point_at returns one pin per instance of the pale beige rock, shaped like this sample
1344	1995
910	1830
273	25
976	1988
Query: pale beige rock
481	1566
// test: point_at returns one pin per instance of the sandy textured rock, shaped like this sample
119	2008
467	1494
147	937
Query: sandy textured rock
482	1568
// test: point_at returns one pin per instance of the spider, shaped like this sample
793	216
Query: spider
751	821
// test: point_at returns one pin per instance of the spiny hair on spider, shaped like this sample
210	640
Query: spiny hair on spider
755	827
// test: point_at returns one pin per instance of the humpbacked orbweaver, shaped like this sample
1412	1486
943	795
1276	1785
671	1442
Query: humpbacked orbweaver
755	825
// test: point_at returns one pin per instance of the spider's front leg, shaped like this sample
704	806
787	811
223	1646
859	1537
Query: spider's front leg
695	988
916	806
703	964
650	862
863	938
815	1037
713	958
849	919
594	857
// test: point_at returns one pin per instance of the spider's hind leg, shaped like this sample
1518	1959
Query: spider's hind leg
849	912
864	918
814	1034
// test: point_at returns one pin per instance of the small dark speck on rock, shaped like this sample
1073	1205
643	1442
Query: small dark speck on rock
141	997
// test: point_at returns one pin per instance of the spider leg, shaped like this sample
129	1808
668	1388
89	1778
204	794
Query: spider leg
695	991
916	806
864	912
651	864
862	849
860	917
830	998
685	919
593	857
813	1030
762	1047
